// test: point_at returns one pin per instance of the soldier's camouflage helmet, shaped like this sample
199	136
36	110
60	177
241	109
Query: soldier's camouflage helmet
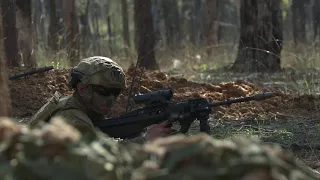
98	70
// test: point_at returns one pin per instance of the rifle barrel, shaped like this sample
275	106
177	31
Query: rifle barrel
257	97
38	70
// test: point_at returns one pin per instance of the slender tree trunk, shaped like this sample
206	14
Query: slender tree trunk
172	23
53	35
299	21
26	35
316	18
10	35
73	45
85	30
261	36
125	24
146	36
109	28
5	101
95	16
211	24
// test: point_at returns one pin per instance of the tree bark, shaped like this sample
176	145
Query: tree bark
5	101
95	16
53	35
73	45
109	28
261	37
125	23
145	35
85	30
316	18
299	21
172	24
211	24
10	35
26	35
193	10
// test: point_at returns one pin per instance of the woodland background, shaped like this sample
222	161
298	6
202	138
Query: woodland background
253	35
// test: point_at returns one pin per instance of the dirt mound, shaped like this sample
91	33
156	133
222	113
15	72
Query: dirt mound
30	93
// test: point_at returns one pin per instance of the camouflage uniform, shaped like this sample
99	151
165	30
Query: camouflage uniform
57	151
95	70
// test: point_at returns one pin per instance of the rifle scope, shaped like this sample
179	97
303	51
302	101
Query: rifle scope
161	95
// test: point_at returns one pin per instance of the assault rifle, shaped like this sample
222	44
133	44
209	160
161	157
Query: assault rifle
38	70
158	108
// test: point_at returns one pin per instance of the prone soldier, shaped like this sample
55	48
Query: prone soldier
97	82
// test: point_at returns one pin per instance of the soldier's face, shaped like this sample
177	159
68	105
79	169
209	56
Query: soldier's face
98	98
104	98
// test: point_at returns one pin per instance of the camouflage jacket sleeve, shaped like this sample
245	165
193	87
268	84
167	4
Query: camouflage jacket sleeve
76	119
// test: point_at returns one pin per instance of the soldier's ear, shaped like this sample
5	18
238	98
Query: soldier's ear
81	88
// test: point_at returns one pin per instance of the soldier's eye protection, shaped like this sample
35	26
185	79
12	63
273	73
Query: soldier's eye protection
106	91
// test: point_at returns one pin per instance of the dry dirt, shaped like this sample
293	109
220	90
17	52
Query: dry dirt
30	93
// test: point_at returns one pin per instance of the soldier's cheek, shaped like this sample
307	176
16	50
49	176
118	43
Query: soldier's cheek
104	103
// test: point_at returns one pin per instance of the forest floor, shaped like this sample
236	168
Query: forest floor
290	119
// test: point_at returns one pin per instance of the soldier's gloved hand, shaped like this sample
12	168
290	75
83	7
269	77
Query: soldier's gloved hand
158	130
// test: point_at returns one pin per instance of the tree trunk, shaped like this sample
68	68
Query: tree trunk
109	28
316	18
5	101
73	45
85	30
194	10
299	21
95	16
53	35
10	34
261	36
211	27
146	36
125	24
26	36
172	24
